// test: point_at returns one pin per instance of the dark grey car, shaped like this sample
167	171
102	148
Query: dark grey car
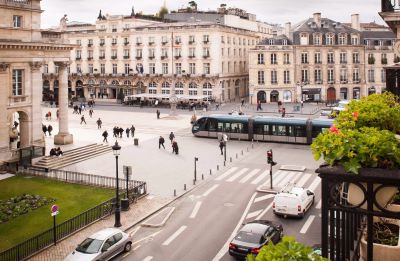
252	236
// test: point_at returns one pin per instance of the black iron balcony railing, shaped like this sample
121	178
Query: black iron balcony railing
390	5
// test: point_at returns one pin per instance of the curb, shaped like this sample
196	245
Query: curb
162	222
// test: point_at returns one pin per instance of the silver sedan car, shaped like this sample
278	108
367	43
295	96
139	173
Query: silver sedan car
103	245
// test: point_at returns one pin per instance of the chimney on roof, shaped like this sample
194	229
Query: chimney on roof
355	22
317	19
288	25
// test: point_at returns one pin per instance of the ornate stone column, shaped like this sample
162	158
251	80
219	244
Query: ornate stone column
36	118
63	137
4	124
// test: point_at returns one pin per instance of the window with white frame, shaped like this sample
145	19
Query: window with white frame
192	52
114	41
260	58
152	68
286	77
355	40
192	68
317	57
152	88
356	75
206	68
90	68
178	39
79	42
304	75
317	39
371	75
343	57
383	75
317	76
164	39
179	88
138	40
78	54
206	52
304	58
151	40
331	75
284	42
78	68
126	53
206	38
178	52
46	68
261	77
17	21
164	68
207	89
343	75
274	78
356	58
165	88
114	68
164	52
102	41
342	39
90	54
18	78
127	68
152	52
178	68
114	53
330	58
329	39
102	54
191	39
303	39
286	58
273	58
271	42
192	88
139	53
102	68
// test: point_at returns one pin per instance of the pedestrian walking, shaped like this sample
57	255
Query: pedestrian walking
83	119
90	112
221	147
242	102
105	135
115	132
133	131
49	129
161	141
16	124
302	103
75	109
79	110
127	132
49	115
58	114
44	129
120	131
158	114
283	112
99	122
175	147
171	136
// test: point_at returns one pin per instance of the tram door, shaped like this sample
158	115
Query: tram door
212	127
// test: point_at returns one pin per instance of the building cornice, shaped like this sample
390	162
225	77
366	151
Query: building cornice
35	46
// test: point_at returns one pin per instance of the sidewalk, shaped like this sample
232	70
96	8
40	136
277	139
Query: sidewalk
139	211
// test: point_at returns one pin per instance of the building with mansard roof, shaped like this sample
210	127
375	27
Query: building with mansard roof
320	59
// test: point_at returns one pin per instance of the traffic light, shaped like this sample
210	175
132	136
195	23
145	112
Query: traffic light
270	157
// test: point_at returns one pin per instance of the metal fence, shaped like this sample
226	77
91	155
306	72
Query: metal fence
33	245
347	229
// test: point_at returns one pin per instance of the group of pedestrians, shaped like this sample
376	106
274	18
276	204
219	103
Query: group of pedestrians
46	129
174	143
118	131
56	152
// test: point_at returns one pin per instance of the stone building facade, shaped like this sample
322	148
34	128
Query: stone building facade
321	60
24	48
142	55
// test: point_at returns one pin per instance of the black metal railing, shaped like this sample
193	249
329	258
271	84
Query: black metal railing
390	5
33	245
345	226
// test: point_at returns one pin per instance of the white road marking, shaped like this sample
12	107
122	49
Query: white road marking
227	173
205	194
307	224
195	209
277	177
303	180
125	255
224	248
148	258
145	238
260	177
150	197
253	214
175	235
315	184
234	177
289	176
137	247
265	211
264	198
318	206
249	176
135	231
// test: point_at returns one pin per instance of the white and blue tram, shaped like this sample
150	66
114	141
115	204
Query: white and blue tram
261	128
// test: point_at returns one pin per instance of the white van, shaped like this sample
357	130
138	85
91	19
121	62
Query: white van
293	201
341	106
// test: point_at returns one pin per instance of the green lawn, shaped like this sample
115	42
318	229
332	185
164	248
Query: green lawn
72	199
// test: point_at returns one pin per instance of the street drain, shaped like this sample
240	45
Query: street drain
228	205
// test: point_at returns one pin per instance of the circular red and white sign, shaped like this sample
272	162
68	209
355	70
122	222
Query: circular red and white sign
54	208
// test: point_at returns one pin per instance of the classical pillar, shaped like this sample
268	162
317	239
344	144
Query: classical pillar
5	86
34	122
63	137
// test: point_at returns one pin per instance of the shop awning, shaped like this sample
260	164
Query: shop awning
312	91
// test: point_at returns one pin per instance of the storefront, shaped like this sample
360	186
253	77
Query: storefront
311	94
344	93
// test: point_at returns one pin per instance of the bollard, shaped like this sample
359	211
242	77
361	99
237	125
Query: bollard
184	187
194	182
217	167
174	192
242	152
236	155
202	176
224	163
210	172
252	145
230	159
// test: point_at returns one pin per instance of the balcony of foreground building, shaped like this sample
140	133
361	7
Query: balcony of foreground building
390	12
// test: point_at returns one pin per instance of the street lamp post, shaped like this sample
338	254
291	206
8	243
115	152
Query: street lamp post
116	150
195	168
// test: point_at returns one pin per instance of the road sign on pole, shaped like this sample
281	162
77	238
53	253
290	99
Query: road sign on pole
54	213
127	171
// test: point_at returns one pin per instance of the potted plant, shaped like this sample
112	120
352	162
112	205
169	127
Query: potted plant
364	136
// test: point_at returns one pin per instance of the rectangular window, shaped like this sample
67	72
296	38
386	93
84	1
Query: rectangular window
329	39
114	54
273	58
165	68
317	40
317	76
286	58
78	54
151	53
383	75
356	58
102	41
102	54
343	58
152	68
343	75
17	21
90	54
90	67
114	41
138	53
78	68
178	52
192	52
206	38
127	68
164	52
260	58
46	68
206	68
18	77
151	40
138	40
102	68
286	77
331	58
261	77
178	68
304	58
356	75
274	78
354	40
331	76
206	52
304	75
317	58
342	39
114	68
192	68
191	39
371	75
126	53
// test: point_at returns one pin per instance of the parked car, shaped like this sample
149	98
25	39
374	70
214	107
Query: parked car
326	112
252	236
341	106
103	245
293	201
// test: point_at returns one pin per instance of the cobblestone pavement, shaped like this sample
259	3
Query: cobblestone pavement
143	208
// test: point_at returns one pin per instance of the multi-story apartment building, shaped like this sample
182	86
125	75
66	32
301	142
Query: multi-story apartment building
140	56
320	60
24	48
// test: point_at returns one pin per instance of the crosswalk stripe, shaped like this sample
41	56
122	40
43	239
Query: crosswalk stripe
249	176
303	180
260	177
237	175
289	177
268	196
315	184
277	177
307	224
253	214
318	206
265	211
227	173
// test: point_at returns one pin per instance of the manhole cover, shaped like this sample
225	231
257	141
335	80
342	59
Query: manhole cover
228	205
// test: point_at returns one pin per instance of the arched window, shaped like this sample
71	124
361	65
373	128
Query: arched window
140	88
179	88
192	88
114	82
127	83
165	88
152	88
103	83
91	82
207	90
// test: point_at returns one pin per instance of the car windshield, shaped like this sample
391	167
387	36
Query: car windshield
249	237
89	246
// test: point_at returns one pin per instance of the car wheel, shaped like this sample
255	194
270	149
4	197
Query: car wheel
128	247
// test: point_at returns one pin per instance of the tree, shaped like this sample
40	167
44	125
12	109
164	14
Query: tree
193	5
163	11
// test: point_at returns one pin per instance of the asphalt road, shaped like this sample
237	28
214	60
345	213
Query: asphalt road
206	219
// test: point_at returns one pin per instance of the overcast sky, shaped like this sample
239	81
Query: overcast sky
273	11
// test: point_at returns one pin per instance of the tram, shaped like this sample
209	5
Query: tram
261	128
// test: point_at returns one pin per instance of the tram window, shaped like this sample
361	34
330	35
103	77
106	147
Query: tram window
267	129
212	125
300	131
236	127
290	131
221	126
317	130
259	129
245	128
278	130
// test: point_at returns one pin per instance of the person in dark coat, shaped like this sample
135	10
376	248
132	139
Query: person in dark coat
80	110
99	122
171	136
90	112
133	131
53	152
44	129
49	129
158	114
161	141
175	147
221	147
115	132
105	135
283	112
121	131
83	119
127	132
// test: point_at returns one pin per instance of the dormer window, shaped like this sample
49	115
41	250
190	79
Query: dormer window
317	39
271	41
342	39
303	39
354	40
17	21
284	42
329	39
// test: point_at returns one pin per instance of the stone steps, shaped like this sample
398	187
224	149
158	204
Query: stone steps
73	156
